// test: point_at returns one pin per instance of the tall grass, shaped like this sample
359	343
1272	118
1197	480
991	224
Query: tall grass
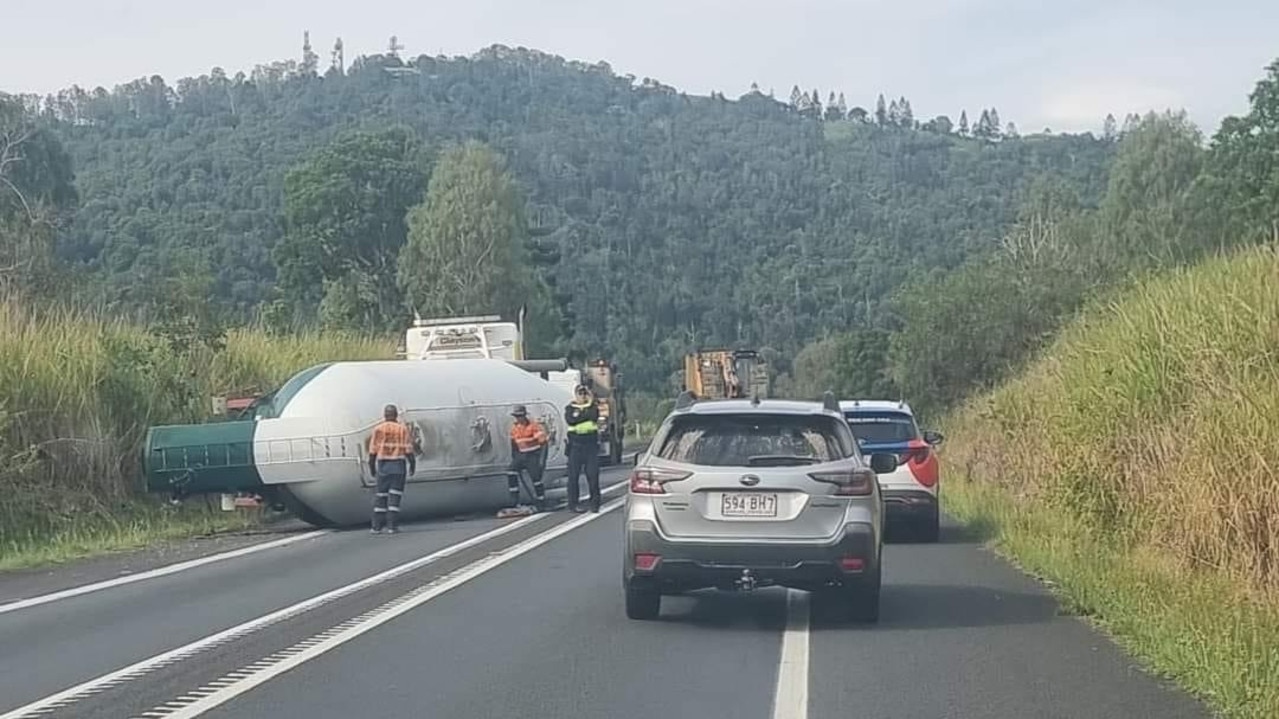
77	393
1137	464
645	412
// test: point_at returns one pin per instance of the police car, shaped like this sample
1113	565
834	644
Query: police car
910	492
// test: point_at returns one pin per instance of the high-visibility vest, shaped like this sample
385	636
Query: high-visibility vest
587	427
391	440
528	436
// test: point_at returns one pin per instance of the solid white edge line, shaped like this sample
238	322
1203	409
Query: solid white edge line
15	605
145	666
791	699
153	573
378	618
183	652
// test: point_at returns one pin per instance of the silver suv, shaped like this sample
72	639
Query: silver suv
739	494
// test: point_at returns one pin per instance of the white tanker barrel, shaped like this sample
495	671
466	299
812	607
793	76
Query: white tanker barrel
308	444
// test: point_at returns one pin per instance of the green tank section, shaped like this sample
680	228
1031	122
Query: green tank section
215	456
199	458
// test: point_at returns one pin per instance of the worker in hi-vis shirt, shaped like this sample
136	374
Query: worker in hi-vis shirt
528	454
392	461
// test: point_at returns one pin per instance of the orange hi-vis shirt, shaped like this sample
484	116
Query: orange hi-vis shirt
391	440
529	436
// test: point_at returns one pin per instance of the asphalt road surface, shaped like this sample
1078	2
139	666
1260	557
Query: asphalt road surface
502	618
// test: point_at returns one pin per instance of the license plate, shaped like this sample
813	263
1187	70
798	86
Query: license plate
748	504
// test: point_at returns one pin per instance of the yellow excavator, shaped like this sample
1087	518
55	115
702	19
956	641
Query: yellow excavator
726	374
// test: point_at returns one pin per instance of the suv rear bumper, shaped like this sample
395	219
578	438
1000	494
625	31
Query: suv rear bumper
909	505
685	566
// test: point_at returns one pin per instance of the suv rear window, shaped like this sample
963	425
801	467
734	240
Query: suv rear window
876	427
732	440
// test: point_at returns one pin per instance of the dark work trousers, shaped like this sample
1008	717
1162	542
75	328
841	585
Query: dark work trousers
391	477
530	462
584	456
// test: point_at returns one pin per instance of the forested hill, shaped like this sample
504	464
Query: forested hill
678	220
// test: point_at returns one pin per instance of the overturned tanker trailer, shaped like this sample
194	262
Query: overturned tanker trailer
305	445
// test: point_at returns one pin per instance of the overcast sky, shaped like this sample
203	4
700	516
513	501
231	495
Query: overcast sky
1059	64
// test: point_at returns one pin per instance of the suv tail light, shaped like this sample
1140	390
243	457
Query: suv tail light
919	458
645	562
916	453
859	482
653	481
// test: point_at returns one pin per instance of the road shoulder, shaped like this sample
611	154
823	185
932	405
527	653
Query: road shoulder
20	584
965	633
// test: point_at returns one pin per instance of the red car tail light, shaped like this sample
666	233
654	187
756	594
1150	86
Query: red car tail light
645	562
852	564
653	481
918	455
859	482
917	451
922	462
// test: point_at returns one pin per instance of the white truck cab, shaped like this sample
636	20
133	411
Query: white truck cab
569	379
484	336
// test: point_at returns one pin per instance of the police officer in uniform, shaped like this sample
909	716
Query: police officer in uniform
582	416
528	454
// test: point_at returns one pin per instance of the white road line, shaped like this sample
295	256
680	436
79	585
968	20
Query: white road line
15	605
139	669
199	701
173	656
791	699
153	573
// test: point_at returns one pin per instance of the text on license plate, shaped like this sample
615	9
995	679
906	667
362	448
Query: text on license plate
748	504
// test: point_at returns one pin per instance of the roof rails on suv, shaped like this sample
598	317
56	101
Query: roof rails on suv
829	402
687	399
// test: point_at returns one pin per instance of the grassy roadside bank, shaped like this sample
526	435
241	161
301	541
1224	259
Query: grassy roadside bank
77	394
136	525
1136	468
1191	627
